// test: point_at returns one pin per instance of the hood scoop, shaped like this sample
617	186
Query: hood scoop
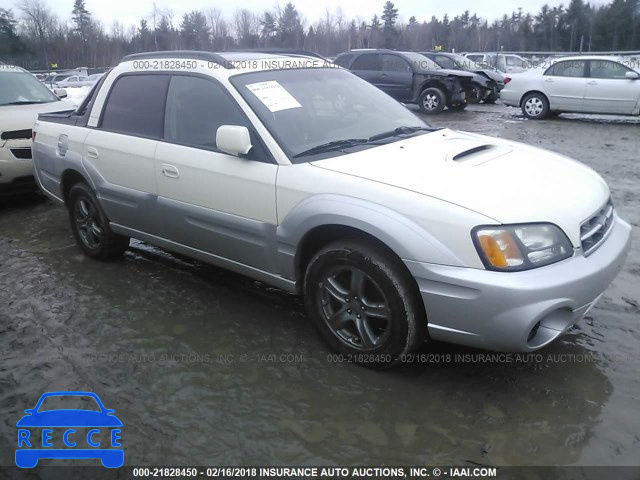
475	153
472	151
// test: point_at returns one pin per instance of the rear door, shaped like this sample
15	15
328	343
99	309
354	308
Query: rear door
396	77
564	84
608	90
119	154
207	199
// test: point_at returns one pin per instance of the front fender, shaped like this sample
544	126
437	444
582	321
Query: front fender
402	235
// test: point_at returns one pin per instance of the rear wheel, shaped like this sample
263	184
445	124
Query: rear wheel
90	225
432	100
535	106
364	304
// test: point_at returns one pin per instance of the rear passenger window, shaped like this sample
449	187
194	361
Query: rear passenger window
569	68
367	62
196	108
136	105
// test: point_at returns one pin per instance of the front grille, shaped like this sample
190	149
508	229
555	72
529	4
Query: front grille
595	230
21	153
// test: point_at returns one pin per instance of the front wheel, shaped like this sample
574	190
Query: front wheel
90	225
475	93
364	304
432	100
535	106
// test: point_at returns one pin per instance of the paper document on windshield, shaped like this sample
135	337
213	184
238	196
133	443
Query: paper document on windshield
274	96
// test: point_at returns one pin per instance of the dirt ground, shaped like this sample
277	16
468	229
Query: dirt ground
205	367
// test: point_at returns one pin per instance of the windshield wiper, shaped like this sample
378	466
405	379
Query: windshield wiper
335	145
401	131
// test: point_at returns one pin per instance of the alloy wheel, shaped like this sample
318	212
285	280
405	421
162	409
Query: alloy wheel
355	308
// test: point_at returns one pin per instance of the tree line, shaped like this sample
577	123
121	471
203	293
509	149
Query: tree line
33	37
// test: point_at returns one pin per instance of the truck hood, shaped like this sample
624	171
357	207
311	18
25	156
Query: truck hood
22	117
503	180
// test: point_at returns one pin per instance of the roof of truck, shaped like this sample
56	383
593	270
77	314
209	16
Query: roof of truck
243	60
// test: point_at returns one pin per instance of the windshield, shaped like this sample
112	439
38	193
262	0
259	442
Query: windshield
307	108
18	88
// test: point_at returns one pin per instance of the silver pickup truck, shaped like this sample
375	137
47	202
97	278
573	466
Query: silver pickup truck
299	174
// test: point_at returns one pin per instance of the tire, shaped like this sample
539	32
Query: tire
432	100
491	98
475	94
535	106
458	107
363	304
90	225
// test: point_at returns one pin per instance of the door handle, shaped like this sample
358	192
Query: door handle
592	82
383	75
548	80
170	171
92	152
63	145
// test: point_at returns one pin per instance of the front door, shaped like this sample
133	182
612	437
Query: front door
609	90
207	199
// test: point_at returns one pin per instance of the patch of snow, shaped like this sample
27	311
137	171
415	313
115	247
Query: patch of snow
77	94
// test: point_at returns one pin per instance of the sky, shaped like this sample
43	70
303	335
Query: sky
129	12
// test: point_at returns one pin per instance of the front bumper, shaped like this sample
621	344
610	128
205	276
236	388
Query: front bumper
16	174
519	311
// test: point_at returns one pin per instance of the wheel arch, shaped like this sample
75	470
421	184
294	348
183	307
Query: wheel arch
68	179
434	83
319	220
534	91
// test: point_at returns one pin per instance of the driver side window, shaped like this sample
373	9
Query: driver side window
196	108
394	63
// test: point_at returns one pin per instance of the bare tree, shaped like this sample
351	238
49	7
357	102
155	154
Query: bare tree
38	17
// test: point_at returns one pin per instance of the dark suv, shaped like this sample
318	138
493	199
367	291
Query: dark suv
411	78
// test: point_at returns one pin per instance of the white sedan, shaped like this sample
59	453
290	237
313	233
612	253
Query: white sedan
583	84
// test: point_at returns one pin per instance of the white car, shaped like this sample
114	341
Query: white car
22	98
71	81
503	62
581	84
304	176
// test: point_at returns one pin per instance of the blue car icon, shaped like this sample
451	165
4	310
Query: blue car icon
104	429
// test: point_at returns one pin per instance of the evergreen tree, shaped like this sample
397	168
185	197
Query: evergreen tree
82	18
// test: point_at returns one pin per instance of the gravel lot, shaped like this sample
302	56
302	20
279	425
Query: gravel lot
206	367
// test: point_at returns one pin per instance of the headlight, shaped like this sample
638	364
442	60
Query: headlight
521	247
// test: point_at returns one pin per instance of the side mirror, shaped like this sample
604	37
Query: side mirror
60	92
632	75
233	139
